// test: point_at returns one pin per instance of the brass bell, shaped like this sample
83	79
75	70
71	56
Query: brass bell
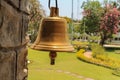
52	35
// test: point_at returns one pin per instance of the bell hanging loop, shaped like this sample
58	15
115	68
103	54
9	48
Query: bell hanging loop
54	11
55	3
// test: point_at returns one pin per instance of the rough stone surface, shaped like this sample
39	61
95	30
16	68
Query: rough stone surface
11	23
13	51
25	6
7	64
22	65
13	2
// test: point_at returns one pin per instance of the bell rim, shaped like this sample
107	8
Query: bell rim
67	48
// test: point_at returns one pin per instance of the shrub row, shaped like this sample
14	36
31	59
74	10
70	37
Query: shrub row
97	50
99	60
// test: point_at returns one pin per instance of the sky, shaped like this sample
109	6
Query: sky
65	7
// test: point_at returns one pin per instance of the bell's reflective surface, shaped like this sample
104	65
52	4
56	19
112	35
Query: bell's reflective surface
53	35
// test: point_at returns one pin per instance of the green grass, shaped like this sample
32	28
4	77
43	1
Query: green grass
40	69
112	53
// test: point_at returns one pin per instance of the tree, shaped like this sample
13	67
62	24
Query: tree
104	20
69	20
36	15
92	15
109	22
76	27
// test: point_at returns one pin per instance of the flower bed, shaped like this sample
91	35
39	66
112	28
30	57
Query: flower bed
99	60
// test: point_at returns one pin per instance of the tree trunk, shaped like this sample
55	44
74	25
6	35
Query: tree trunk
103	38
13	51
102	42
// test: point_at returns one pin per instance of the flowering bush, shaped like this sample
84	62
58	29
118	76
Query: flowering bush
81	51
110	21
100	60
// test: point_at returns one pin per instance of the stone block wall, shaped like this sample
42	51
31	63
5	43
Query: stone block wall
13	51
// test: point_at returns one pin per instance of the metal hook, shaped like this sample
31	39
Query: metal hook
49	4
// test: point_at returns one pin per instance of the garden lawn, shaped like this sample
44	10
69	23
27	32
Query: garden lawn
67	67
112	53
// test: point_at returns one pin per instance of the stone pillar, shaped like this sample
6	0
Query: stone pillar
13	26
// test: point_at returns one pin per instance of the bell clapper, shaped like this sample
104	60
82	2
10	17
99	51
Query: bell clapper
52	56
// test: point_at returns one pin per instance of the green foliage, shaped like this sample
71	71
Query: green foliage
109	61
76	27
80	45
97	50
81	51
94	38
36	14
69	20
100	60
92	15
103	19
75	36
70	29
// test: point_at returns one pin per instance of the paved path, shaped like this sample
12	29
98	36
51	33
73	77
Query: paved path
111	46
88	54
67	72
